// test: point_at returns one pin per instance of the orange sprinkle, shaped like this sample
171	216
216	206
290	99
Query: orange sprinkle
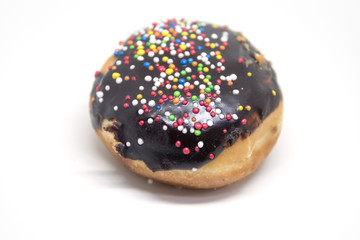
248	108
92	99
194	63
113	68
202	91
207	44
159	48
217	53
157	34
193	119
172	66
174	87
222	47
127	78
160	92
191	86
176	100
155	50
208	100
230	83
130	42
151	68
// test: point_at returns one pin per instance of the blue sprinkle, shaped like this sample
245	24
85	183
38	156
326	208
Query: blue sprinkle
208	56
158	107
190	60
121	53
116	53
199	47
183	62
182	81
143	38
146	64
202	29
177	41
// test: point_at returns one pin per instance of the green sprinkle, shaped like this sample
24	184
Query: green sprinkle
211	86
148	44
208	77
188	78
177	94
136	56
194	98
132	47
183	72
171	117
197	132
207	90
200	65
199	69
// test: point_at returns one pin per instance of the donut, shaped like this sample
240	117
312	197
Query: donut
187	103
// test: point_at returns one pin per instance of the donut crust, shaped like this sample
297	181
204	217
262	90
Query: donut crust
233	164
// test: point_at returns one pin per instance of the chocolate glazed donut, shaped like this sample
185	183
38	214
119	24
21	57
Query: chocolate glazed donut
187	103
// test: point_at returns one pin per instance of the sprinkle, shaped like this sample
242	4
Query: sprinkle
211	156
115	75
248	108
135	102
240	108
171	117
243	121
140	141
249	74
197	132
200	144
178	144
273	92
150	120
116	108
165	127
148	78
186	151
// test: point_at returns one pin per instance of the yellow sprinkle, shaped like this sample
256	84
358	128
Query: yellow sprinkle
205	69
182	46
212	45
115	75
141	52
206	80
273	92
150	32
152	46
169	71
249	74
164	33
139	96
140	47
164	59
215	26
240	108
219	56
192	36
184	33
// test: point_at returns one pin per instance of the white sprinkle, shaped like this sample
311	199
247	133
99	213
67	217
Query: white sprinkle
157	84
140	141
222	77
140	58
161	52
151	54
101	100
195	104
173	52
107	87
207	39
156	59
162	74
140	111
116	108
236	91
235	117
218	111
118	62
217	92
118	80
165	127
233	76
210	123
150	181
141	88
212	53
180	86
212	66
132	67
186	121
180	55
184	131
128	144
202	96
154	88
200	144
168	86
150	120
99	94
180	128
212	104
221	116
177	74
135	102
216	87
196	82
167	113
151	103
188	70
170	61
202	86
171	77
187	53
218	99
143	101
192	130
194	169
148	78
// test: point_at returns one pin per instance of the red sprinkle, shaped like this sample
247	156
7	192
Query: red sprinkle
97	73
126	105
127	97
196	110
186	151
205	126
243	121
213	114
186	115
180	121
197	148
228	116
153	93
240	60
198	125
178	144
224	130
97	88
157	119
211	156
141	122
184	102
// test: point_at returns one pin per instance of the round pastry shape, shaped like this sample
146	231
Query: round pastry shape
187	103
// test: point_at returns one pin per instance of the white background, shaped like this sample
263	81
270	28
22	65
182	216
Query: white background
57	180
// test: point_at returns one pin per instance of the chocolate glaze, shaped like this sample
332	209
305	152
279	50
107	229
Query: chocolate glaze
157	147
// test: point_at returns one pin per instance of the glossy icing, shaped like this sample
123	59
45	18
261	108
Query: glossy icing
181	91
